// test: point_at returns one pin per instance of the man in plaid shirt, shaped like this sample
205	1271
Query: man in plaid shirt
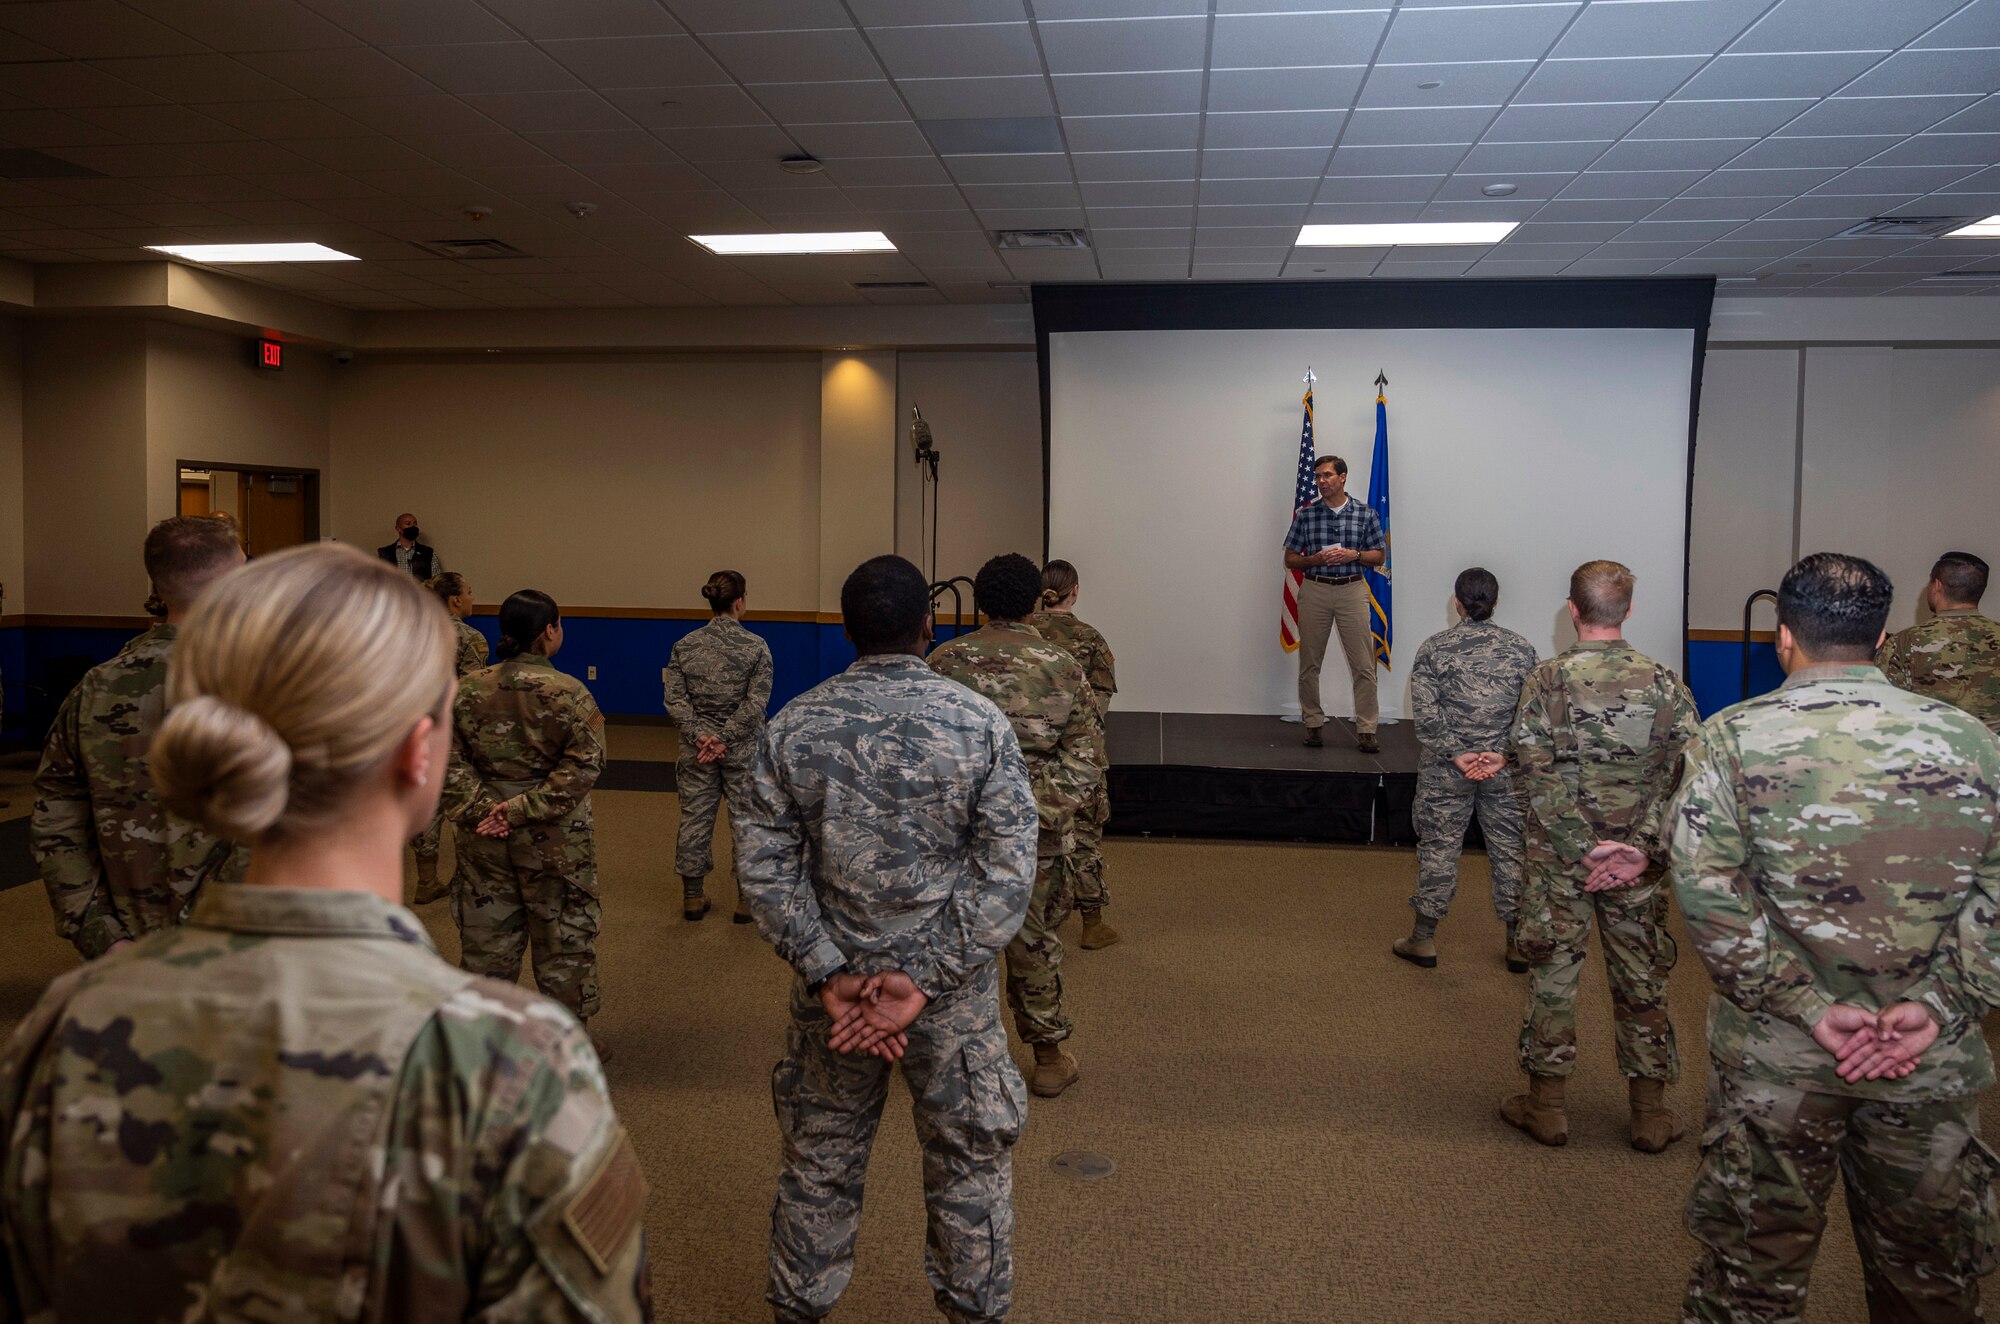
1330	542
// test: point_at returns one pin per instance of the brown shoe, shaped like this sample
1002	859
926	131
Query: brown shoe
1368	743
1417	951
429	889
1055	1071
1313	740
1097	935
1539	1112
742	916
1515	961
1654	1125
694	907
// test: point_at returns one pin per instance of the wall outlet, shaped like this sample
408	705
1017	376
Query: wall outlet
590	673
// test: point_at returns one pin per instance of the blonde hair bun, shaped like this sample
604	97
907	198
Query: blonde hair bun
223	767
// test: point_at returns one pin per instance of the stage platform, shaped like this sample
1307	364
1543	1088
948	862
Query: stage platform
1251	775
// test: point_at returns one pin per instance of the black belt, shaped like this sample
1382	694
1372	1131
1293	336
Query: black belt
1329	579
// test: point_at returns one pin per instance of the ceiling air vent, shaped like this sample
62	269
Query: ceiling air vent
1915	227
1041	239
469	249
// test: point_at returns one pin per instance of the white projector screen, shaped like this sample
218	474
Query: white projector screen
1172	457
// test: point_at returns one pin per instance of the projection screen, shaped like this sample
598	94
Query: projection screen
1172	455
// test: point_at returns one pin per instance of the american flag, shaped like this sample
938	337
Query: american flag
1304	492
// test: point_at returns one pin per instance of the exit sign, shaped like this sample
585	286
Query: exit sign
269	354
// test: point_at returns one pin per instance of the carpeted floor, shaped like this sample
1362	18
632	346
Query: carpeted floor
1303	1126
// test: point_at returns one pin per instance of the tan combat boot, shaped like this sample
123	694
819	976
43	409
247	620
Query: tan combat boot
693	904
1096	933
1539	1112
1417	951
429	889
1055	1071
1654	1125
1516	962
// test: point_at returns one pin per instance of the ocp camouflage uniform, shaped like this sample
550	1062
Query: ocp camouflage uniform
1953	657
116	864
471	657
1464	688
530	737
1100	668
718	684
890	826
290	1108
1043	692
1597	740
1836	842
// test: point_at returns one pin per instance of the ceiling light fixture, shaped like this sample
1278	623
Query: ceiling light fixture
253	252
1986	229
837	241
1416	232
800	165
1431	86
1500	190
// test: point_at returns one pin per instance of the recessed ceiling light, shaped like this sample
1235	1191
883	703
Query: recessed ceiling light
253	252
838	241
1431	86
1986	229
800	165
1500	190
1416	232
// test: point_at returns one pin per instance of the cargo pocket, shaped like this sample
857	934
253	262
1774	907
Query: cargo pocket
996	1098
1719	1208
1975	1225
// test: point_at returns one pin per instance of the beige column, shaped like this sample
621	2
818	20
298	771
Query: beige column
857	465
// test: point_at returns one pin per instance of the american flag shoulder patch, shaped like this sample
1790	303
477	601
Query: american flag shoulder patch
602	1215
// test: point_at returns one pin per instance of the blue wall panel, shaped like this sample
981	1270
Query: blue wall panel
1715	672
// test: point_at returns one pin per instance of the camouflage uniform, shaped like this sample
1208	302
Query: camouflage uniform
1089	648
530	736
1837	841
116	864
1464	688
1953	657
290	1108
1598	741
718	684
1043	693
889	825
471	658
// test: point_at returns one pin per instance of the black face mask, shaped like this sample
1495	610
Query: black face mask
410	533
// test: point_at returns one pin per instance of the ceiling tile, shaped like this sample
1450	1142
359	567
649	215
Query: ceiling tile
1489	83
828	103
889	171
1503	159
197	78
1612	184
1802	153
1866	181
1113	45
604	147
1978	24
640	61
1516	32
1673	153
765	143
1718	119
371	152
285	119
976	98
1646	79
542	20
1273	41
963	51
1273	128
1980	117
349	71
1157	193
1394	160
53	128
1835	25
1928	73
1131	133
685	107
1142	216
884	139
1031	168
1129	94
1283	89
873	13
794	57
758	15
503	66
994	135
1464	187
1805	75
399	23
1713	209
1378	188
1622	210
1760	183
94	29
416	118
1665	27
1259	214
1837	205
1445	124
1876	115
1255	192
1130	166
1676	231
1262	162
1569	123
527	112
484	149
1964	149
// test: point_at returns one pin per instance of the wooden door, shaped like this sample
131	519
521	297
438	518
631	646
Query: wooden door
194	498
274	511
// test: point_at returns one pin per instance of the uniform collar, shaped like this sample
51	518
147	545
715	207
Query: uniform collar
1599	645
1012	627
163	631
1833	671
297	912
1958	611
889	662
532	660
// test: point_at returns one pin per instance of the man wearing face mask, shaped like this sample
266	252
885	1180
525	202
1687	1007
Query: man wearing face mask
409	554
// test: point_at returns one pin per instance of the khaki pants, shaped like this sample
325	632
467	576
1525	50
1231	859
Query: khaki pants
1323	608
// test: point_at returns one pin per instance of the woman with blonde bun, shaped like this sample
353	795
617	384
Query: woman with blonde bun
528	744
1056	621
718	685
289	1107
456	595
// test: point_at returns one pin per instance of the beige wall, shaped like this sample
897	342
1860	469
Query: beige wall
986	418
205	402
84	467
13	587
1744	462
604	481
857	457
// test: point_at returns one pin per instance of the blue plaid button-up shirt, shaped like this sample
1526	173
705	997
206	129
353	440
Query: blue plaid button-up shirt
1353	525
